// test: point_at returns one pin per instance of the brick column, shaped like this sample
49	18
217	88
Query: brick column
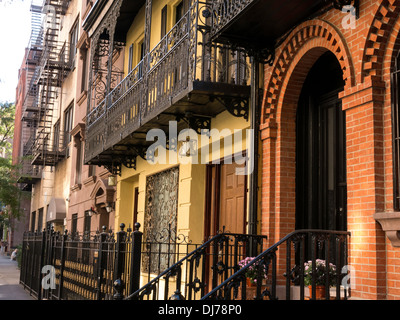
363	105
268	138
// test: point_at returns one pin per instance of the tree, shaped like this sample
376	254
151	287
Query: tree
7	117
9	192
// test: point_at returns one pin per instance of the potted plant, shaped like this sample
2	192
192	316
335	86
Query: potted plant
321	272
252	271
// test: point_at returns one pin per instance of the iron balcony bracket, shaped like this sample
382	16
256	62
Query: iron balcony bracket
130	162
172	143
114	167
237	106
196	122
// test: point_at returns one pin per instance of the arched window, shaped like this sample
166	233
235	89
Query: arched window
395	80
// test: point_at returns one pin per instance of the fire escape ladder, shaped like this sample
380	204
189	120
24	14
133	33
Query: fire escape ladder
51	70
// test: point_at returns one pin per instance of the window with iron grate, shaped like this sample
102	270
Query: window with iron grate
161	220
395	82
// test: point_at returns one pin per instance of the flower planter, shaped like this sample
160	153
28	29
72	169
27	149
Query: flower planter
320	292
251	291
250	284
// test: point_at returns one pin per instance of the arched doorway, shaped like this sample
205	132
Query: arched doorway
321	191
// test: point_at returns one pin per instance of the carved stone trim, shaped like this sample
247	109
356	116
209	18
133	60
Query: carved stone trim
390	223
78	129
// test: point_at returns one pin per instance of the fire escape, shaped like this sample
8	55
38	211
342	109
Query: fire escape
28	173
51	67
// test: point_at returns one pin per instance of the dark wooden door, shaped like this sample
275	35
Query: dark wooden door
321	189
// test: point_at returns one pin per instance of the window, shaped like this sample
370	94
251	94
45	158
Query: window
164	21
40	220
130	63
74	224
87	223
84	70
395	79
141	53
180	10
73	40
33	220
79	157
68	122
141	56
56	138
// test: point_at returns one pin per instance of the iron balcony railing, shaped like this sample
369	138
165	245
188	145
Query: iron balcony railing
27	172
225	11
49	147
167	73
283	268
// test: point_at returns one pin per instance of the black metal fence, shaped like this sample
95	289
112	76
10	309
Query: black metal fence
312	259
202	269
100	266
105	266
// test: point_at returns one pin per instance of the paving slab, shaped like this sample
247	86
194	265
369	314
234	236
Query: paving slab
10	289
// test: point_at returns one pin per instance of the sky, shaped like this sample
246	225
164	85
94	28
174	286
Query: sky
15	27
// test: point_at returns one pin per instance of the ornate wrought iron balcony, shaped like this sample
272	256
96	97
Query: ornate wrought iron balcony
184	73
257	25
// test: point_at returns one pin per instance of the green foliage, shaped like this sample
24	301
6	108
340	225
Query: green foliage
9	192
7	118
321	272
255	270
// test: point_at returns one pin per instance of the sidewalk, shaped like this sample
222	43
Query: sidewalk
10	289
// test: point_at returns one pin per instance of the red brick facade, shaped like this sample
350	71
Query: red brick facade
366	55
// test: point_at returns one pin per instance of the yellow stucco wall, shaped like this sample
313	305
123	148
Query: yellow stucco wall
192	178
135	35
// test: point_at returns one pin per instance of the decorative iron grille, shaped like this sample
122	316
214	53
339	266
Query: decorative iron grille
160	219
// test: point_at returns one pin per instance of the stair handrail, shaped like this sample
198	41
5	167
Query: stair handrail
172	270
239	277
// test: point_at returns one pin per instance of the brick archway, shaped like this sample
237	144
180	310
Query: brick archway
296	56
377	38
309	35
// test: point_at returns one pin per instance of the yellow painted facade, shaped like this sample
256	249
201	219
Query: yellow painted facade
192	176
